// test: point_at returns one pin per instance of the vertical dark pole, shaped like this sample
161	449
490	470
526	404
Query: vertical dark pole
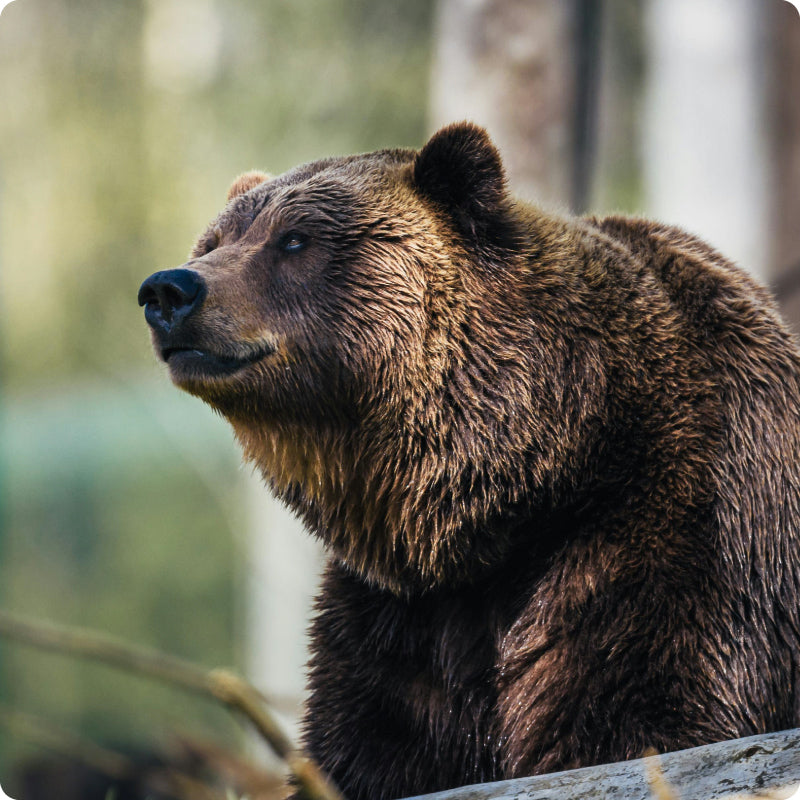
784	118
588	30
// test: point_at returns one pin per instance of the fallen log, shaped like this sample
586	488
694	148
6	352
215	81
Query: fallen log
767	765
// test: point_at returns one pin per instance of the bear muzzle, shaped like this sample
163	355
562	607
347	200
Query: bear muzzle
171	298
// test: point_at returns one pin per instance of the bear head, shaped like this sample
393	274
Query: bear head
373	329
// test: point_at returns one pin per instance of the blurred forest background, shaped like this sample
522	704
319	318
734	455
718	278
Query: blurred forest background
123	505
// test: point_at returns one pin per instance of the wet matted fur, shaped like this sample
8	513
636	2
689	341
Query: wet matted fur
554	461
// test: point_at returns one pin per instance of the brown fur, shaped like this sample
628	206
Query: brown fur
245	182
554	461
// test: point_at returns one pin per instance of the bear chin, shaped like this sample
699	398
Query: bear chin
194	366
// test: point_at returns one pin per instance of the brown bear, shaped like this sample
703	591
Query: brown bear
555	463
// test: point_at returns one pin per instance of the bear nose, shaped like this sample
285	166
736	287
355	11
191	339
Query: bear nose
170	296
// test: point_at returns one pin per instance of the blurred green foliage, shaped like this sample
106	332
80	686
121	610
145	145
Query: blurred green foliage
114	152
121	126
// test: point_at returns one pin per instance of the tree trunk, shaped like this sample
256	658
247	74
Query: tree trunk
785	118
507	65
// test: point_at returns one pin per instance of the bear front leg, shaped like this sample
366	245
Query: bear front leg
392	712
637	667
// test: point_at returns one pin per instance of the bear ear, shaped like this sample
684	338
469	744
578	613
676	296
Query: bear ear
245	182
460	169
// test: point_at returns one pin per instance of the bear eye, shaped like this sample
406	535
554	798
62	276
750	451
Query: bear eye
292	242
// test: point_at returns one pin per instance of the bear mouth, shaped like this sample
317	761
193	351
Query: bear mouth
192	362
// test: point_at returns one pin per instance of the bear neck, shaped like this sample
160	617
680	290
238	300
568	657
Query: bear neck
407	513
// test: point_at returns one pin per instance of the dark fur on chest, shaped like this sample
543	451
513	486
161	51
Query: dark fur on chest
407	689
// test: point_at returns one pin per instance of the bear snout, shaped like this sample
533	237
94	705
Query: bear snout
170	296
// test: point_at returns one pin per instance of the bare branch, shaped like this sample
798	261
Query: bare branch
223	685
